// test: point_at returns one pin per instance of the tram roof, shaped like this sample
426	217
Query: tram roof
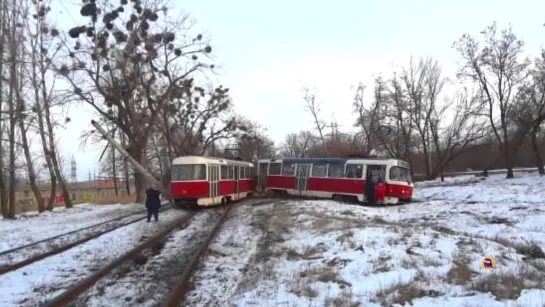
208	160
307	160
373	160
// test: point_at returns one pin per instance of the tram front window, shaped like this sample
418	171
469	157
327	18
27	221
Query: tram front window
188	172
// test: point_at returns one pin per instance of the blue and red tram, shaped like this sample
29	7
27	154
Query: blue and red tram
336	178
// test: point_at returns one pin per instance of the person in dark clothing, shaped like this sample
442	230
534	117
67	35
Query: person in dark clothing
370	190
153	203
380	190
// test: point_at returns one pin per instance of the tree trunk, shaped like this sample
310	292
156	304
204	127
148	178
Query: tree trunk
508	155
45	146
537	153
51	135
508	161
3	187
509	164
137	152
125	165
54	160
114	171
28	158
12	120
37	84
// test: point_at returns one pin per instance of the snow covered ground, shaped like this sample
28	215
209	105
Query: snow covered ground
31	227
44	279
85	233
148	281
320	253
428	253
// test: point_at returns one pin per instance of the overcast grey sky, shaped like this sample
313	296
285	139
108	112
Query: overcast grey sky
270	50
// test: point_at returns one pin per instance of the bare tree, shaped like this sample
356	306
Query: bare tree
25	119
199	120
254	144
297	145
423	83
497	70
128	72
13	62
463	131
394	130
528	113
42	49
3	44
369	118
314	108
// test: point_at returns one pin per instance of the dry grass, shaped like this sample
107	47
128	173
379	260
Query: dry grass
27	205
460	274
401	293
509	285
503	285
531	250
309	253
345	299
109	200
325	274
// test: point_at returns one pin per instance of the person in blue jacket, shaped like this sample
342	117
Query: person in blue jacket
153	203
370	190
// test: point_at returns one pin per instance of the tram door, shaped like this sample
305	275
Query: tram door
213	177
262	176
301	177
237	183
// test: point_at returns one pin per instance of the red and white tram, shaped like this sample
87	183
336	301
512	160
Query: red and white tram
335	178
204	181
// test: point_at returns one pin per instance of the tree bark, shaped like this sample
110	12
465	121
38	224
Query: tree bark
28	158
125	165
140	182
52	147
43	138
507	151
3	184
537	153
13	49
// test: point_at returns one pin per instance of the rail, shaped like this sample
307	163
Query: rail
177	295
35	258
9	251
73	292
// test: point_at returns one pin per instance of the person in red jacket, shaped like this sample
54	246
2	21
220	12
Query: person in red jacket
380	190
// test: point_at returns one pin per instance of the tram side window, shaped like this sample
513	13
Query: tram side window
224	173
336	171
242	173
354	170
188	172
376	172
275	169
319	170
288	169
400	174
248	172
231	172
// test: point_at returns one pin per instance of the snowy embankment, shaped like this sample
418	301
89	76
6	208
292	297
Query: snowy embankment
31	227
44	279
428	253
148	281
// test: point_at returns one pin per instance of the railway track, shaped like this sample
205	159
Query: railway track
184	267
22	256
